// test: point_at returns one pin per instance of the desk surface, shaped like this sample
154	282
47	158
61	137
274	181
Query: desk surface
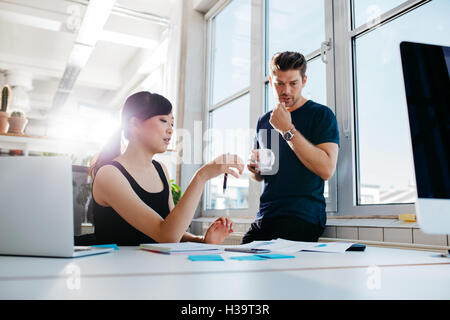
131	273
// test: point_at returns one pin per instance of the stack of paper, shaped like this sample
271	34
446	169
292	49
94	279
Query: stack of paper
288	246
182	248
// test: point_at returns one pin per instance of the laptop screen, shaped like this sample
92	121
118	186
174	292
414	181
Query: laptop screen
426	70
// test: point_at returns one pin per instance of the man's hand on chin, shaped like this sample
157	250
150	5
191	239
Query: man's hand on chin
281	119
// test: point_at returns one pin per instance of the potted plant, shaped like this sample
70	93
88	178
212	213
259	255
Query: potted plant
176	191
6	93
17	122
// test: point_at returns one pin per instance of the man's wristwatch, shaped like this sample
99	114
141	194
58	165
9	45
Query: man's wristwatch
288	135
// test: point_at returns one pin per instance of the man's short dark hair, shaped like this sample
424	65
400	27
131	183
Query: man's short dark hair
284	61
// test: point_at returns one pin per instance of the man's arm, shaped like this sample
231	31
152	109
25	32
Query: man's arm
320	159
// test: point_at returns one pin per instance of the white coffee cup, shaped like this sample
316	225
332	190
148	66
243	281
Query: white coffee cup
266	160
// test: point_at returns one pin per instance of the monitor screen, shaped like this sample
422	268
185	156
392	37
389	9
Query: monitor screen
426	70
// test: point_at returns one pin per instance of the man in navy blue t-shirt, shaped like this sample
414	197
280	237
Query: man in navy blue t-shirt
304	138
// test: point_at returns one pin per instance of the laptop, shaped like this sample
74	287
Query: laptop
36	208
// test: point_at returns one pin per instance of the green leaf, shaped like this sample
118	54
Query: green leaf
176	191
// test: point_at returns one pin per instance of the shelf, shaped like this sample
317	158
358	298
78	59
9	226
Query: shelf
46	144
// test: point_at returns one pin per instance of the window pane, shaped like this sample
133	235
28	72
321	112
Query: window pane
231	50
315	88
385	158
229	132
316	83
367	10
294	26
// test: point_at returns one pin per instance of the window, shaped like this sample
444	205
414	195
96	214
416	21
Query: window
231	50
294	26
228	101
229	134
315	88
241	34
307	18
361	80
385	169
375	172
370	11
300	26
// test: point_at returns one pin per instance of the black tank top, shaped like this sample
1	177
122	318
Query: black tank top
111	228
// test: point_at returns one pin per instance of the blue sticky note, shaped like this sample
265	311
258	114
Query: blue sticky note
206	257
106	246
320	245
274	256
252	257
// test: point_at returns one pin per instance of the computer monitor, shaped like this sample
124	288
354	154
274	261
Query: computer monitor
426	70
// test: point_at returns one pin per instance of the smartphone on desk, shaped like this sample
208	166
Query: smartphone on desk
247	250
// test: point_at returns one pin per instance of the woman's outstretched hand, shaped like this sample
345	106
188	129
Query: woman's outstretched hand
226	163
218	231
230	164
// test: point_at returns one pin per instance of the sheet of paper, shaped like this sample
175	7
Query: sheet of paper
186	246
254	244
280	245
248	257
288	246
275	256
337	247
181	247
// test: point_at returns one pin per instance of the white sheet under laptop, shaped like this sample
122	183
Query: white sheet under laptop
36	208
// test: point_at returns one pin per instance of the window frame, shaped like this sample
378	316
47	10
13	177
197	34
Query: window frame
341	98
346	97
210	107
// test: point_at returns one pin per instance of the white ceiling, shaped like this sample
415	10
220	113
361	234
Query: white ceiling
38	37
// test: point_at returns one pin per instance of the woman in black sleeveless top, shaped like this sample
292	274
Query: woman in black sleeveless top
132	199
110	227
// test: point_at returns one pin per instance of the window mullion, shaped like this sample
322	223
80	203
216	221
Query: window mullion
257	90
344	105
331	205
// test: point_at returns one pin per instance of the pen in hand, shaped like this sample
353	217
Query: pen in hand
225	176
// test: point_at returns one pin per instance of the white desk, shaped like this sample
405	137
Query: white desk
131	273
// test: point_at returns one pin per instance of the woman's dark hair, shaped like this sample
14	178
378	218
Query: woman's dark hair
142	105
288	60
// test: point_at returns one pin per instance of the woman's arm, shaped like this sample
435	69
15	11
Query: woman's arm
112	189
216	232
